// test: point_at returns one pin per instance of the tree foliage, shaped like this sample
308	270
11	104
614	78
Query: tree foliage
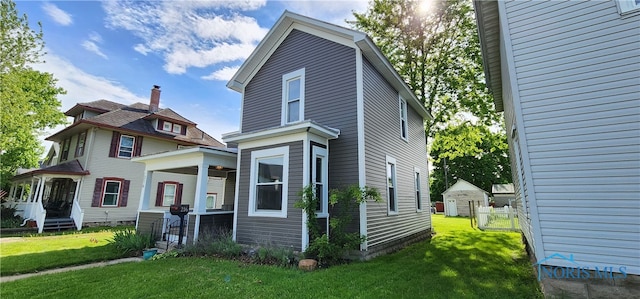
28	98
434	46
472	153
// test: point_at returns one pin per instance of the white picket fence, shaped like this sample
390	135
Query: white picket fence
505	218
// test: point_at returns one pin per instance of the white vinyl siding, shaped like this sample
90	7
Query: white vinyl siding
577	70
293	91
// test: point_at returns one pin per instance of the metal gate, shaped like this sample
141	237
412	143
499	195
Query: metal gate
505	218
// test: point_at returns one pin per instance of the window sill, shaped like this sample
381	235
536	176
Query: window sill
268	214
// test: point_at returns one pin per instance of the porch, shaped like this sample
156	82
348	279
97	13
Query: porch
202	177
48	196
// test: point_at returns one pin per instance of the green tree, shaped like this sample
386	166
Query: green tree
28	98
437	51
472	153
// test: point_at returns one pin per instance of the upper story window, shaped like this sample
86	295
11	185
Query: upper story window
404	132
64	155
293	97
629	6
80	145
170	127
392	192
77	118
269	182
125	148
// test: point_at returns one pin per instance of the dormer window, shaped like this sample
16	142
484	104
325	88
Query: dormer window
171	127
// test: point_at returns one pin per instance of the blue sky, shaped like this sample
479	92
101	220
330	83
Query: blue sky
117	50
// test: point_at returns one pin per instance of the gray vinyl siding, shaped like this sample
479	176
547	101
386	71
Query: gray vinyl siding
285	232
330	96
577	70
148	222
382	138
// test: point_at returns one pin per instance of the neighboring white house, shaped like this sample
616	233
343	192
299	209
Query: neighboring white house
459	197
567	76
503	194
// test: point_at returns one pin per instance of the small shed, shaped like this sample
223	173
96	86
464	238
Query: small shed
503	194
458	196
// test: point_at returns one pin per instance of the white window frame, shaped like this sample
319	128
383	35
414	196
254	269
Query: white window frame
133	145
253	178
404	119
417	178
215	199
178	128
627	7
299	74
167	126
104	192
319	152
164	194
394	176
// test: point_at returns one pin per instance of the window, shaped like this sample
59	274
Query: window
269	182
65	149
403	119
80	145
416	172
211	200
169	194
319	178
293	97
628	6
392	192
166	126
125	149
111	193
177	128
170	127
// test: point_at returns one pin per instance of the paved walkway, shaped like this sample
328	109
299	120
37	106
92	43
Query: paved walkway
59	270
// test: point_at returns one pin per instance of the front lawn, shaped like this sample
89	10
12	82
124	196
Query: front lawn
36	253
457	263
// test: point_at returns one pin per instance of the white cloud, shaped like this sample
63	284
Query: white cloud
92	47
58	15
189	33
96	37
223	74
333	11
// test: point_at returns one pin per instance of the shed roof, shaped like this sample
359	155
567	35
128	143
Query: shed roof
463	185
502	189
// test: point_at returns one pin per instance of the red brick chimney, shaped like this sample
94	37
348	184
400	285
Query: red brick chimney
154	103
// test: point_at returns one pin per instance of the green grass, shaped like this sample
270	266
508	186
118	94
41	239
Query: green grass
458	262
37	253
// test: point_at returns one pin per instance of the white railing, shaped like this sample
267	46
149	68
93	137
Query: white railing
504	218
77	214
39	215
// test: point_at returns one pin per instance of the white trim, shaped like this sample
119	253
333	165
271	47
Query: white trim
235	199
362	180
104	191
404	119
305	126
295	75
417	179
394	175
306	179
317	151
526	167
627	7
269	153
133	146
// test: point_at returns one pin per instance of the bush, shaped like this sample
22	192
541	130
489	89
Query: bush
274	256
8	217
219	244
131	243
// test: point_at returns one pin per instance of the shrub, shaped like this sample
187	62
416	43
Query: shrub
219	243
274	256
131	243
8	217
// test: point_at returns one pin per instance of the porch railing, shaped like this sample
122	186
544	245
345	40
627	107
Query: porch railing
77	214
168	231
39	214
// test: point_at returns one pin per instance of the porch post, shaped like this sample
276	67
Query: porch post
199	203
144	194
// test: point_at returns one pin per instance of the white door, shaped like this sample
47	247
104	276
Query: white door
451	208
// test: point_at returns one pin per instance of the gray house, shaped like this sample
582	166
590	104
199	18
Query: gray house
322	106
567	76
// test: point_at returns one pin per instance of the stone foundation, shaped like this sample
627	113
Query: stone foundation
389	247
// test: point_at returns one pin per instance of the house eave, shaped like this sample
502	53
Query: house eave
226	152
305	126
487	17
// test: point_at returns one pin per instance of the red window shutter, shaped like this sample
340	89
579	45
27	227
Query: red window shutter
179	194
97	193
159	194
125	193
115	139
160	124
183	130
137	147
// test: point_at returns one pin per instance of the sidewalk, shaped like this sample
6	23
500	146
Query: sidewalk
79	267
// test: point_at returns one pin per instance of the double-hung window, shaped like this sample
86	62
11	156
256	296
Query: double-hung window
169	194
269	182
293	97
418	186
211	200
65	149
111	193
319	178
392	192
80	145
404	132
125	148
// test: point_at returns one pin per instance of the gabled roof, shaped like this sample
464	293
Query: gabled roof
463	184
100	106
502	189
489	33
70	168
134	119
358	39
